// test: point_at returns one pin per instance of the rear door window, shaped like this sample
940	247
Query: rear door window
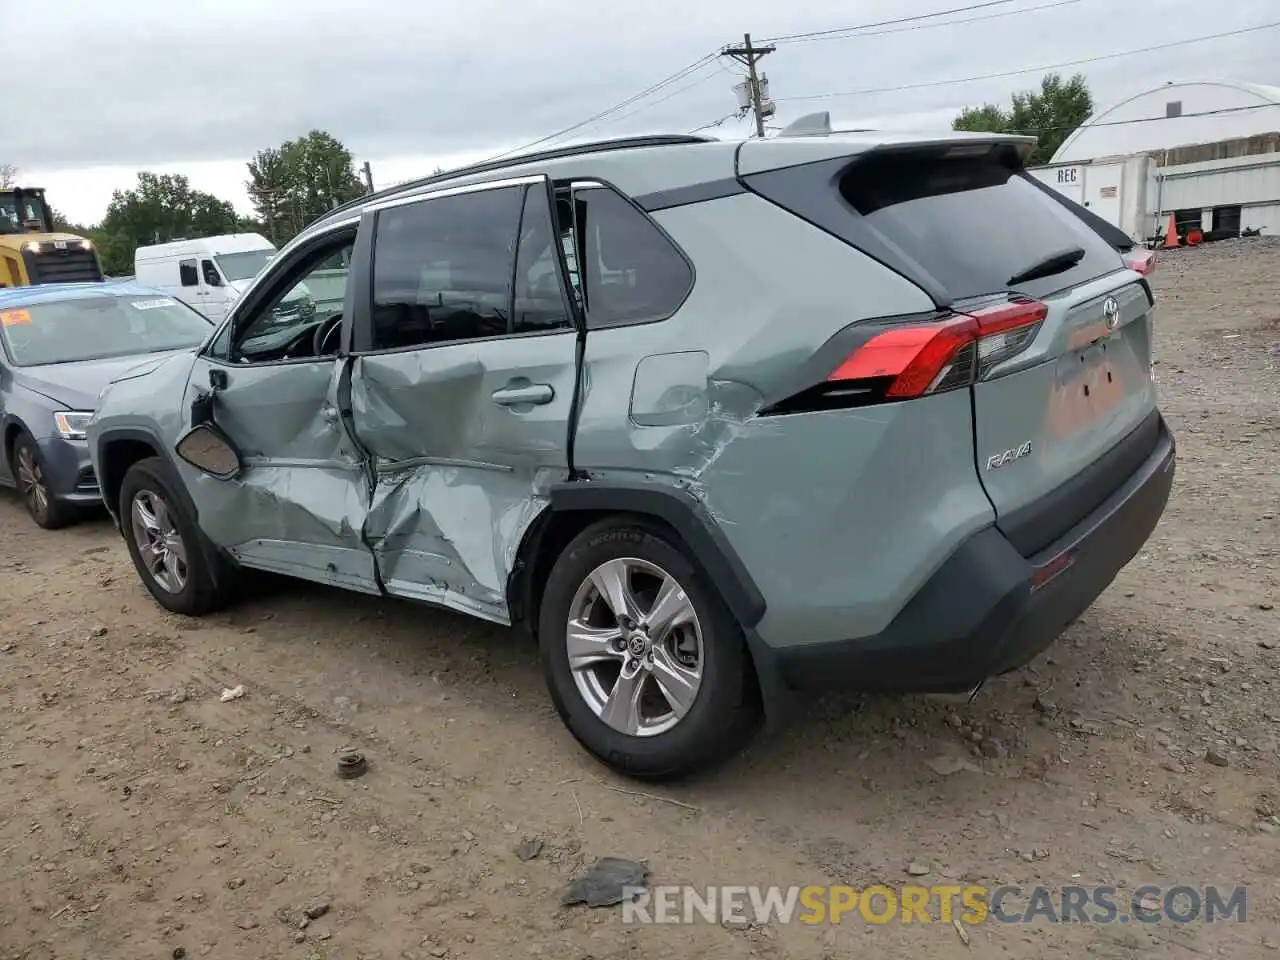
972	222
540	304
444	267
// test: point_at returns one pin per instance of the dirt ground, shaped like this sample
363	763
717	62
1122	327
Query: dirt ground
142	817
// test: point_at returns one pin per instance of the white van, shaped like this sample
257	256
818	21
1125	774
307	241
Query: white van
207	274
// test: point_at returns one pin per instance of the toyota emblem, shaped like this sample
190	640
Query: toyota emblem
1111	312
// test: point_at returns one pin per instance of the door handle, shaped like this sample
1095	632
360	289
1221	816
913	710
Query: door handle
532	393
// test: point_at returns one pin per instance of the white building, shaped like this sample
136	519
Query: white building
1217	144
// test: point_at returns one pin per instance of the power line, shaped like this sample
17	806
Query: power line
861	32
1040	69
675	93
786	38
730	72
665	82
715	123
714	57
698	82
1124	123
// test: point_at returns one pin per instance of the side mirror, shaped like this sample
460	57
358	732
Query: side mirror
207	448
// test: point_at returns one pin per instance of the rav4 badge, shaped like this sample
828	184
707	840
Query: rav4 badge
998	460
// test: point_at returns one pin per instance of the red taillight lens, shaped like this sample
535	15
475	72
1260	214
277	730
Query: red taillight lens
943	354
912	355
1141	261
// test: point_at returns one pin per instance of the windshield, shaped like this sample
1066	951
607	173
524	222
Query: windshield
13	220
95	328
243	266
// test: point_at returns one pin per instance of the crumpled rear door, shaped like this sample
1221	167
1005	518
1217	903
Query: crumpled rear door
463	387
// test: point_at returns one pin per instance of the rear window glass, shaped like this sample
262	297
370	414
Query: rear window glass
972	222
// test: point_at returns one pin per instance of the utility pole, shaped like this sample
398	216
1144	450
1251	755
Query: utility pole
368	176
749	56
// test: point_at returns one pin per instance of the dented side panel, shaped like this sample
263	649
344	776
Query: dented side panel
662	400
841	516
299	504
461	474
838	516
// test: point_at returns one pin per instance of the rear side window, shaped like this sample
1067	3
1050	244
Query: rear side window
187	273
626	268
972	223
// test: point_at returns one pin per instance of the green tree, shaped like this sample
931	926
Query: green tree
987	118
162	207
62	224
299	181
1048	114
251	225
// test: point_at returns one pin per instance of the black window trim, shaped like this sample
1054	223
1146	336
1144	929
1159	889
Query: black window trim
564	283
265	285
594	183
212	266
362	332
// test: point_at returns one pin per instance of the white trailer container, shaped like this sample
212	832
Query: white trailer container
1124	191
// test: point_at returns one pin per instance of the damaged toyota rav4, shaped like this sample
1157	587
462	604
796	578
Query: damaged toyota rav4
717	422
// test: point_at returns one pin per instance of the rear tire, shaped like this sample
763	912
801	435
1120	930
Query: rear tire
167	547
33	485
690	699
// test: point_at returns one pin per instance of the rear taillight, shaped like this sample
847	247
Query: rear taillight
1140	261
917	359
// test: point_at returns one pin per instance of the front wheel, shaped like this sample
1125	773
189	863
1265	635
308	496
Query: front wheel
33	483
645	664
165	543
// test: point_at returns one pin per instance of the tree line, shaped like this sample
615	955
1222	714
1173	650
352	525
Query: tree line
1049	114
289	186
295	183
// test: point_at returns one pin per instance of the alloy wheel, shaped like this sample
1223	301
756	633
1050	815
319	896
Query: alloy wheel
635	647
31	483
160	545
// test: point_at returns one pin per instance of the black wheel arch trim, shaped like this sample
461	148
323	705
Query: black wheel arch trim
10	421
685	514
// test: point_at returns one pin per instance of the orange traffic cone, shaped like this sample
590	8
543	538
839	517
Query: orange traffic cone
1171	233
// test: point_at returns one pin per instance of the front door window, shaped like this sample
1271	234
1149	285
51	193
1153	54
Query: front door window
302	318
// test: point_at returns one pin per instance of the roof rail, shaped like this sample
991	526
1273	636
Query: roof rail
485	166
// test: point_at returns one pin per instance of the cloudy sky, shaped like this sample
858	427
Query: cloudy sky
105	89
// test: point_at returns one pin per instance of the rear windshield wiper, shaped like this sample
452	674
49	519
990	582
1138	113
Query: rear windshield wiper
1048	266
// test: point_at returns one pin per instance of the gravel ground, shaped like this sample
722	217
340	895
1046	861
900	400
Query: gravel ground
142	817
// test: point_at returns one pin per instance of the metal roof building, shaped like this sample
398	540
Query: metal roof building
1217	143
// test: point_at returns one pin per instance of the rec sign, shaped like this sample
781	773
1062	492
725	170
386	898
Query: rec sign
1069	175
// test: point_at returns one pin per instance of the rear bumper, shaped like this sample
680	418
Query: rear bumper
987	609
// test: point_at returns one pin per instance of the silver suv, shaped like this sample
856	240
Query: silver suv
719	422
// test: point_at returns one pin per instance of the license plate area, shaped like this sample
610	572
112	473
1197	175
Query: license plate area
1094	380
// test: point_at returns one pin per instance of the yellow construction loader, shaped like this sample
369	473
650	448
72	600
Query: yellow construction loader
32	252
